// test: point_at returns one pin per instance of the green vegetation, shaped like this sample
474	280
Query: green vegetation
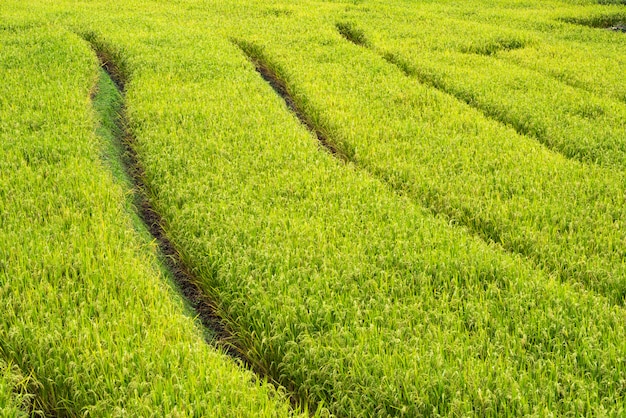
14	398
566	56
467	259
331	280
566	43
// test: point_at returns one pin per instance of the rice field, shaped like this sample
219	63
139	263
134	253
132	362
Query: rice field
312	208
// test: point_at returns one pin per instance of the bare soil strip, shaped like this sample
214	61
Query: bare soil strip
352	34
281	89
611	21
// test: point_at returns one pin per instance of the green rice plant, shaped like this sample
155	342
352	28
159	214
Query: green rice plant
87	311
586	58
14	399
571	121
589	59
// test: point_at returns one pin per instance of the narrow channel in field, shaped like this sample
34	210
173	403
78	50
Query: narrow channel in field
281	89
151	219
499	147
219	333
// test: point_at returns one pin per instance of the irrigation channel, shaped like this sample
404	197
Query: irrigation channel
281	90
222	338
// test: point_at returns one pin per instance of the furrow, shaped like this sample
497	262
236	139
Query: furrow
507	209
91	319
171	258
281	89
328	276
485	231
495	115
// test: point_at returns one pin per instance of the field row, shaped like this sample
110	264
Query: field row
571	121
570	44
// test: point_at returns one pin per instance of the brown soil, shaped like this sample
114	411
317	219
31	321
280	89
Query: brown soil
281	89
